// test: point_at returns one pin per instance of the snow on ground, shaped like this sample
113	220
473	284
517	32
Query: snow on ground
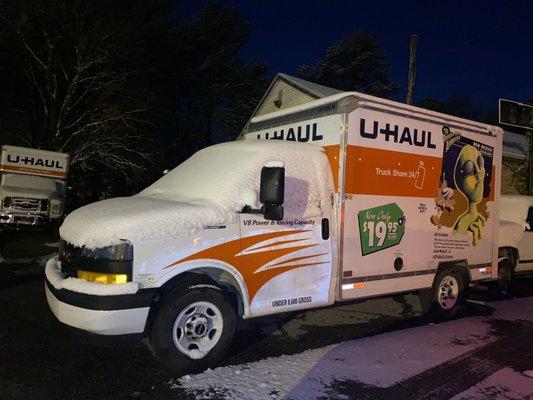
52	244
208	188
381	360
506	384
266	379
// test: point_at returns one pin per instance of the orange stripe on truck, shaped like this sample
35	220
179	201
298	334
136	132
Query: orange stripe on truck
333	154
249	264
281	242
294	259
33	170
367	172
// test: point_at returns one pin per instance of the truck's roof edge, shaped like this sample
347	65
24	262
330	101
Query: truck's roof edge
49	152
371	99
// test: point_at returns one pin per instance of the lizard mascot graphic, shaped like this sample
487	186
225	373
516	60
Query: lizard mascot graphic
469	177
461	201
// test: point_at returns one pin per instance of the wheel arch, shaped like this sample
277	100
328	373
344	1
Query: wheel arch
509	252
203	272
460	266
214	272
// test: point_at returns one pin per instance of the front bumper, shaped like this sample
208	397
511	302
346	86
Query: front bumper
23	219
118	314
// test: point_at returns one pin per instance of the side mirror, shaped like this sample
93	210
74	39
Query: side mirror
272	190
273	212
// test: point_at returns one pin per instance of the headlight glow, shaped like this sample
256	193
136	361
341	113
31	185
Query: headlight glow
100	277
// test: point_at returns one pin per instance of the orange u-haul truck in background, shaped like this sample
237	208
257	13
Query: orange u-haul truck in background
344	197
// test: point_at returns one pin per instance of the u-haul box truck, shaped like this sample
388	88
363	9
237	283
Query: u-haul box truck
32	186
340	198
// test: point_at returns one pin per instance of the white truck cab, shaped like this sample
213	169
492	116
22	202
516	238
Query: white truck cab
341	198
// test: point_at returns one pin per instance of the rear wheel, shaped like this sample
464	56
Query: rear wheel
193	329
446	297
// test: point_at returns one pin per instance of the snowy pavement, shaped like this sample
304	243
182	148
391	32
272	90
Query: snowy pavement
382	348
420	362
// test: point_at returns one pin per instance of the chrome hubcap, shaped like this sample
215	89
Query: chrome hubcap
197	329
448	292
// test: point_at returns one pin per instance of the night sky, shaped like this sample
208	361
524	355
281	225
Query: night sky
481	49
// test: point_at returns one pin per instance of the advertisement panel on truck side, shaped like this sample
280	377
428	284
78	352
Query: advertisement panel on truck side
419	193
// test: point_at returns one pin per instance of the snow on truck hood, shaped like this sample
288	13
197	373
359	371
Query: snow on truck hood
208	188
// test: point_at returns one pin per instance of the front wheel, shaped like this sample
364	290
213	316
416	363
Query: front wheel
193	329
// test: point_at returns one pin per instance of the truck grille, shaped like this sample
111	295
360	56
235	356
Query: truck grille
25	205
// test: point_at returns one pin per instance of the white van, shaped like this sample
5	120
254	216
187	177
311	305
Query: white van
516	239
381	198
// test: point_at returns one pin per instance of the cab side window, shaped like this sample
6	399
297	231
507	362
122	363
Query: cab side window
529	219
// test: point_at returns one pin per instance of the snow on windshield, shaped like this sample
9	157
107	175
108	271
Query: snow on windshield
208	188
227	176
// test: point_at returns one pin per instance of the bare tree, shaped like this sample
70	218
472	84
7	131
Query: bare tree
79	79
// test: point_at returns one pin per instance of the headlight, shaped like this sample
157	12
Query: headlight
101	277
119	252
45	203
56	208
108	265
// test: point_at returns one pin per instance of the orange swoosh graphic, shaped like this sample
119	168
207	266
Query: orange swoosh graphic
298	259
303	265
279	243
232	253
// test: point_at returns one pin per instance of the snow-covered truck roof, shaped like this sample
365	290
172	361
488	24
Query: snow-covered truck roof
208	188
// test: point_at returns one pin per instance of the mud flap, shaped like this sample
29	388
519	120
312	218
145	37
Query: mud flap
426	299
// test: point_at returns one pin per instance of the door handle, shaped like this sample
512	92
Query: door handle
325	229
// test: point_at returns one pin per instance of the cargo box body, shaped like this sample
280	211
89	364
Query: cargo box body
416	190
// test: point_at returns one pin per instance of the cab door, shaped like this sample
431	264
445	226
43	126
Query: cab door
287	264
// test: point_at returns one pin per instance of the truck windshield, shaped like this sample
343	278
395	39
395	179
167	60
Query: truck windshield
214	174
226	177
33	182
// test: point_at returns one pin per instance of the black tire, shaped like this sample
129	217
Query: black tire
503	285
435	302
161	334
